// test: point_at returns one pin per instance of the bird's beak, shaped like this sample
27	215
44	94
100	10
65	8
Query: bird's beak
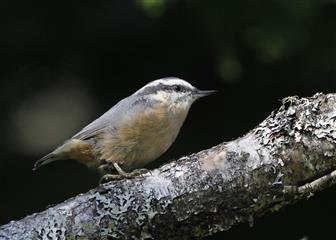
203	93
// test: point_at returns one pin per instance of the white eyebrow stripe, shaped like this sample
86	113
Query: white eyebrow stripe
167	81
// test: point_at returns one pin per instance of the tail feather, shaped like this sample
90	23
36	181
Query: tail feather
45	160
71	149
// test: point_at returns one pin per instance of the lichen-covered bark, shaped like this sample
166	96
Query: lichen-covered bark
288	157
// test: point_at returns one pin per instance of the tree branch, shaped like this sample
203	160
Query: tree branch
287	158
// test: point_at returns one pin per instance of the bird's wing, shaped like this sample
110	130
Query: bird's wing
90	131
107	120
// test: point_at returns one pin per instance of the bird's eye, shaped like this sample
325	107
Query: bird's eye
177	88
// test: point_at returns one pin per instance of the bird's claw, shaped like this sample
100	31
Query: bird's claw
140	172
114	177
110	177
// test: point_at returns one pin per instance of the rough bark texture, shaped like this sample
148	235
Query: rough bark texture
287	158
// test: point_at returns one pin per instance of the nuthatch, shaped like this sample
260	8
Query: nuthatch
135	131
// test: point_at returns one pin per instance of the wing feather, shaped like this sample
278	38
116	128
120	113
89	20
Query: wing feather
107	120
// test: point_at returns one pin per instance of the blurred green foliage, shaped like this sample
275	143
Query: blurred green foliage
153	8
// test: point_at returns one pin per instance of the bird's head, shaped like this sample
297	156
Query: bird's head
177	93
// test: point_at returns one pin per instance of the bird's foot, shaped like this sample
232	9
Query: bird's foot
134	173
122	175
140	172
110	177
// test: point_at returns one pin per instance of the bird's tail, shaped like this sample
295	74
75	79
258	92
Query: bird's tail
71	149
45	160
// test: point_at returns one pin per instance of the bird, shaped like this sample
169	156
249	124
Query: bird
134	132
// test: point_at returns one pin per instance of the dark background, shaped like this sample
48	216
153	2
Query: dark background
65	63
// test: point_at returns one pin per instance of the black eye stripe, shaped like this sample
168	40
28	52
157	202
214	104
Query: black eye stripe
164	87
178	88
